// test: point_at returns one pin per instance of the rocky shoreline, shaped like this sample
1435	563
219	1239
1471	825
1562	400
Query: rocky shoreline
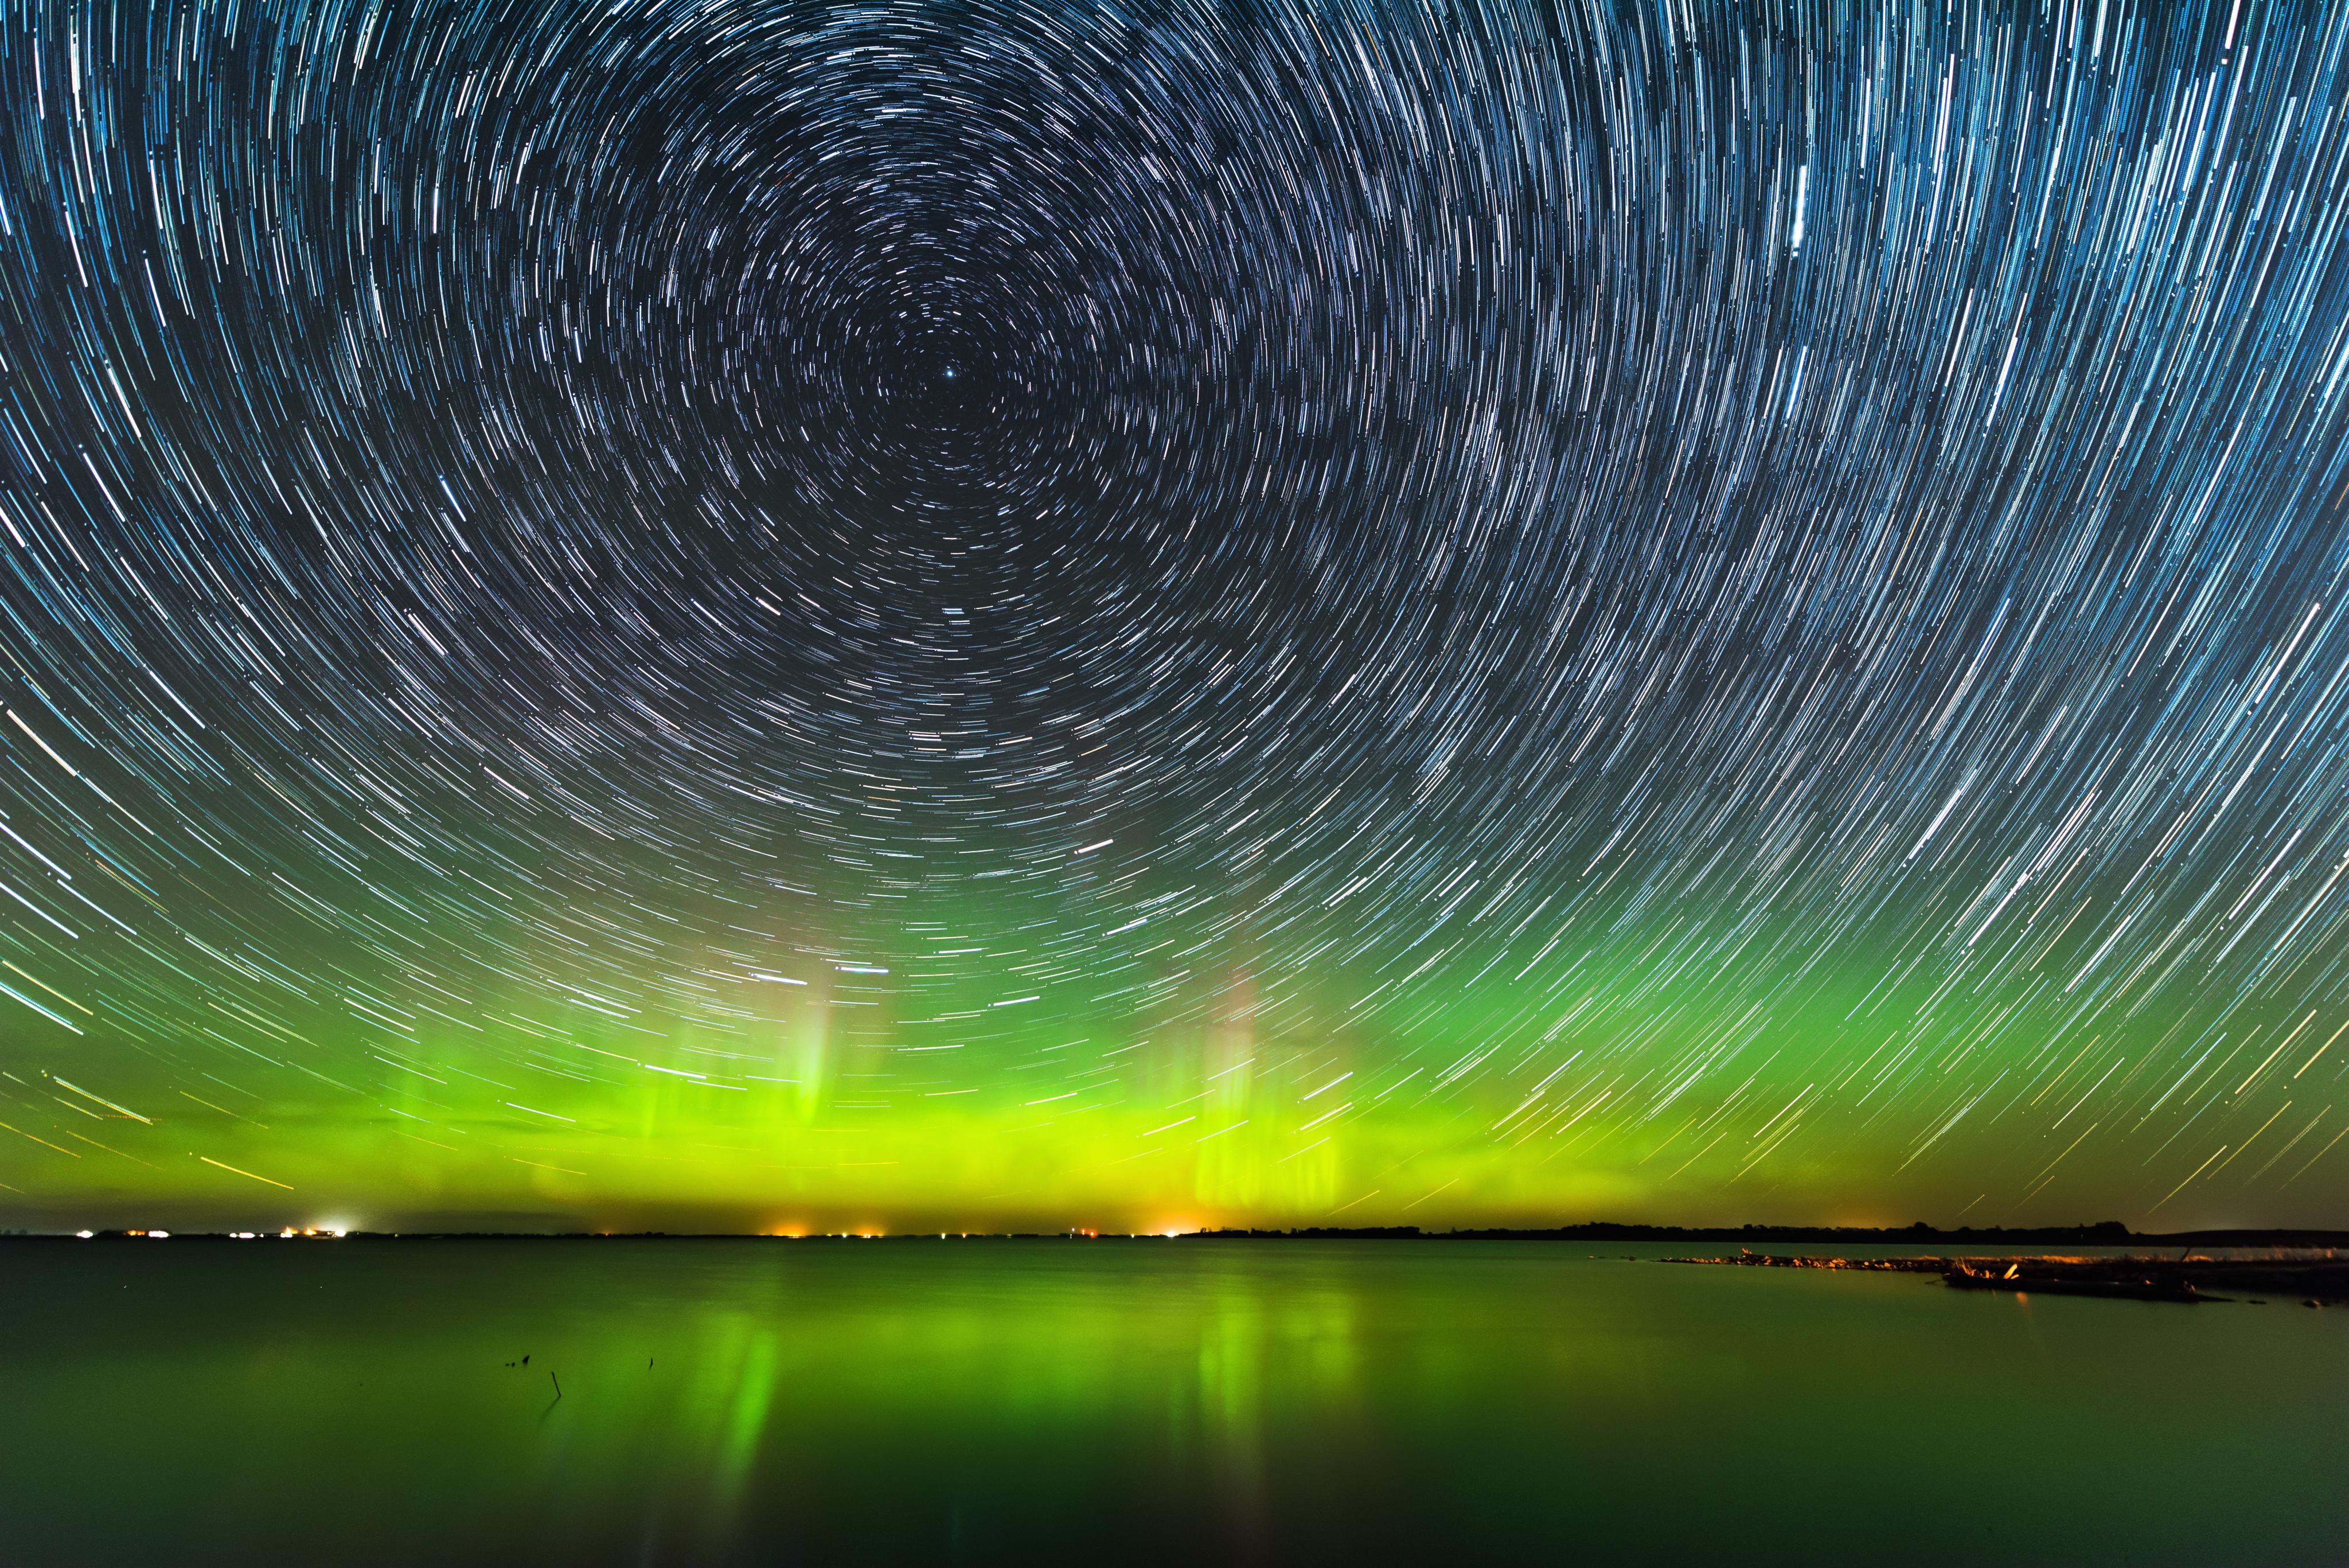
2314	1281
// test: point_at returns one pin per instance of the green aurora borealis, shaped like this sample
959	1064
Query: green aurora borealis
924	1098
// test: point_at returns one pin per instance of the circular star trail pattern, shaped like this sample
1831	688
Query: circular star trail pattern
1223	609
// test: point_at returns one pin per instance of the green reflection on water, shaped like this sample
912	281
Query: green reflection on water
997	1401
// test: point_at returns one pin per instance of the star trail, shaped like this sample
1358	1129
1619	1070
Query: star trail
793	616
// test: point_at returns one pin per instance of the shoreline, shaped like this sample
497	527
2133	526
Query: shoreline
2187	1279
2108	1234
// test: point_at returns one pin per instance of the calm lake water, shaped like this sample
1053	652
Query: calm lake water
835	1402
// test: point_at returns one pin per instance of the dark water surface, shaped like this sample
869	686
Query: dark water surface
835	1402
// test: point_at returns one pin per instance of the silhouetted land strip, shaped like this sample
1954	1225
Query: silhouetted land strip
2313	1280
2105	1233
2108	1233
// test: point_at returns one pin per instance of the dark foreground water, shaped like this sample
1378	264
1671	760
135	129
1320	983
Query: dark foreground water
768	1402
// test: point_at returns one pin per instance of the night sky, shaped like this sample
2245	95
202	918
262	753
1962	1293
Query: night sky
764	615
